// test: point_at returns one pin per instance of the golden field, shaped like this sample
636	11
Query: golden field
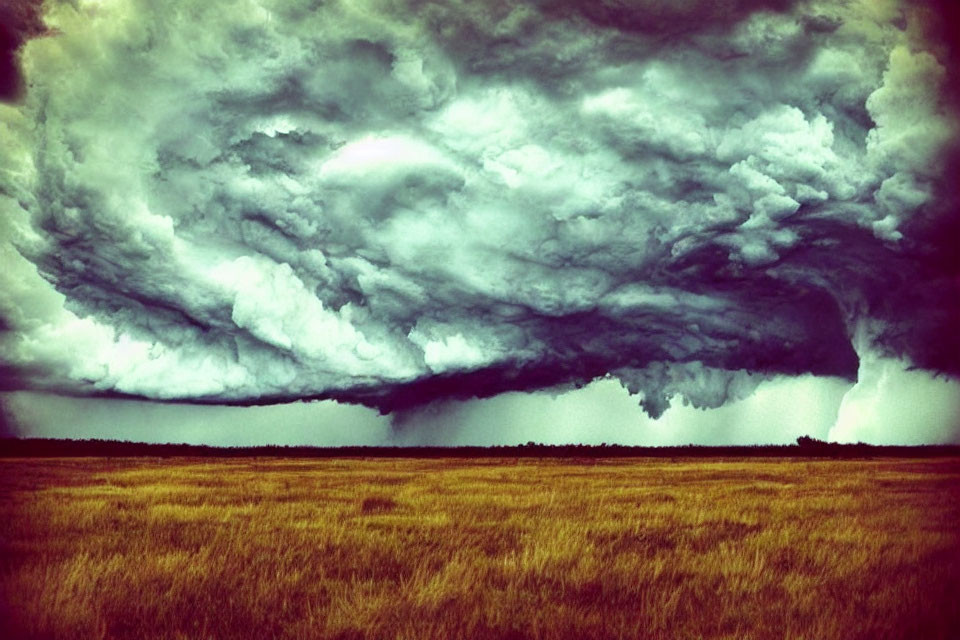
479	548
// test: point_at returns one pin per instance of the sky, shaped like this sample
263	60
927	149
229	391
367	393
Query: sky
412	222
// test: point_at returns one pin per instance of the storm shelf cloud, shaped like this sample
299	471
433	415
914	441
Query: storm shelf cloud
398	203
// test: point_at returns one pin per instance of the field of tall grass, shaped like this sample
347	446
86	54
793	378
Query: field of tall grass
479	548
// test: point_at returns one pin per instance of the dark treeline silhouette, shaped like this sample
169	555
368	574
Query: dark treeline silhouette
805	447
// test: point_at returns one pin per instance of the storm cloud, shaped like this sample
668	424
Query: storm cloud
391	203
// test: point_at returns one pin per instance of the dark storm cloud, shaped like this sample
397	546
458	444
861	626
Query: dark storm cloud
19	21
391	203
662	17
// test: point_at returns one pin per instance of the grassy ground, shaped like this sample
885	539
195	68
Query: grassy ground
272	548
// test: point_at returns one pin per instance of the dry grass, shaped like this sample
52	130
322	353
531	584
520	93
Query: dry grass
257	548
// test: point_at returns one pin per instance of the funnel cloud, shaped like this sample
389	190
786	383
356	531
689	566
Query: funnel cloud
399	203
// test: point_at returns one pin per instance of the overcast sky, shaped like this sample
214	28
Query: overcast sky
559	221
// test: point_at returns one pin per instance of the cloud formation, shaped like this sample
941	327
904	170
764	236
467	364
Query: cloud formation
390	203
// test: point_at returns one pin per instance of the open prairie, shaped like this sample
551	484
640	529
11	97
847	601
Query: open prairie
479	548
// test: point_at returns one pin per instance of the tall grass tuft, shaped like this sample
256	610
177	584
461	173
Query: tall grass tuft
377	504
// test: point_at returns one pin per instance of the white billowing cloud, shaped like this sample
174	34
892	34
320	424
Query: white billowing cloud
450	353
379	158
907	137
273	304
891	404
652	115
355	201
908	132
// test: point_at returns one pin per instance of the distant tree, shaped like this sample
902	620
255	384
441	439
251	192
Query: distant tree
807	442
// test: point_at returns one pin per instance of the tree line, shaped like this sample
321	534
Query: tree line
805	446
